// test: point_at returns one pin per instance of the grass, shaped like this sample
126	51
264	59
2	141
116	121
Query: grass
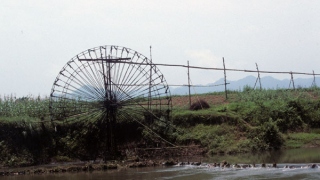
297	140
18	119
285	111
218	138
11	106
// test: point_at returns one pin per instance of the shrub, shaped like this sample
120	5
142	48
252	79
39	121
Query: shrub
266	136
201	104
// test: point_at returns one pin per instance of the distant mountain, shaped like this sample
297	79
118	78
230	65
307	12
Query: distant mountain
267	82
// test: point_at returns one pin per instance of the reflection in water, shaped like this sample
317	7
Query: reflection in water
291	164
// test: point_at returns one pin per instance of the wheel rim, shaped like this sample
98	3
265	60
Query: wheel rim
109	83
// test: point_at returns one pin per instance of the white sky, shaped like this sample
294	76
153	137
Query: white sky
38	37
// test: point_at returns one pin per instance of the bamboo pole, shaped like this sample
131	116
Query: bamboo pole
314	79
125	60
292	81
189	85
258	78
197	67
225	79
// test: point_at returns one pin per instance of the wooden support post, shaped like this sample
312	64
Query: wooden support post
225	79
189	85
314	80
258	78
292	81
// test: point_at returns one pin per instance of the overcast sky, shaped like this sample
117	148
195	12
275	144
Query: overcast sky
38	37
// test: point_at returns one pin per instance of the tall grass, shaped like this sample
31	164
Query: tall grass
29	106
249	94
11	106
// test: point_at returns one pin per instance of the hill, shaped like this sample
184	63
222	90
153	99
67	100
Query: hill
267	82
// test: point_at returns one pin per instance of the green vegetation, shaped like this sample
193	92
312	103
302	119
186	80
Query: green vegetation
34	107
249	121
254	120
296	140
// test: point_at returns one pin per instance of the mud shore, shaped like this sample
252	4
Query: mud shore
144	157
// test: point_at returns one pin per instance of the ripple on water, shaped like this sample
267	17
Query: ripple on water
190	172
283	171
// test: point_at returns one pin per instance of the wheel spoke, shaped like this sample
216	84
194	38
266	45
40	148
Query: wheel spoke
108	82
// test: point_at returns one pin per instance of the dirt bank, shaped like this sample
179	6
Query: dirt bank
143	157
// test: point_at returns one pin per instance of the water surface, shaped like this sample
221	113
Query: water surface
291	164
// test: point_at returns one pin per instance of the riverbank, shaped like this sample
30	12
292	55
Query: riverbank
290	160
249	121
203	171
193	156
90	166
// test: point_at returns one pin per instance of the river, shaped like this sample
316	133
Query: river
291	164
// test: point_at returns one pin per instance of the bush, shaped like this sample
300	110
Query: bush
266	137
201	104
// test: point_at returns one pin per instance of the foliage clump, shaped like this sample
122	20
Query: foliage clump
266	137
200	104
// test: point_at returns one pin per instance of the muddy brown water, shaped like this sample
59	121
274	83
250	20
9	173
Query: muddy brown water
291	164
